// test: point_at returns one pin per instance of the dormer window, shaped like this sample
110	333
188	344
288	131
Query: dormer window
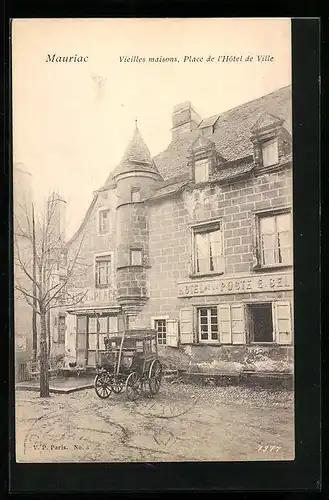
270	153
201	170
135	195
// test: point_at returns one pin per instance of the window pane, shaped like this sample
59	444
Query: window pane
101	342
81	324
92	341
103	272
267	225
92	325
135	195
283	222
201	171
270	153
136	257
103	324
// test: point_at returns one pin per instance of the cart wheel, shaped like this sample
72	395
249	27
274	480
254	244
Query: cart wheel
117	385
102	385
155	376
133	386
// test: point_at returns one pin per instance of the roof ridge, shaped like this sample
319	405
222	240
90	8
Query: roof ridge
248	102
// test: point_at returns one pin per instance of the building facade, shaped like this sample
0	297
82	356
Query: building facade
196	242
22	204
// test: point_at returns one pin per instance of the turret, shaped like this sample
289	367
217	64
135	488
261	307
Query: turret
135	177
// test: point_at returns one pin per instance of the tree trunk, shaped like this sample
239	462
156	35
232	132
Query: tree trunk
48	334
34	314
44	372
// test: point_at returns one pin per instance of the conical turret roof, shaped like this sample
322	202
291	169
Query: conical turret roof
137	157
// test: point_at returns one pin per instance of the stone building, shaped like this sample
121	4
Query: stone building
22	217
196	242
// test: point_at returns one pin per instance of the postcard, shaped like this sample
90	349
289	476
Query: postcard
153	240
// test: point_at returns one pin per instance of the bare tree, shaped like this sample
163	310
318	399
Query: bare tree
49	273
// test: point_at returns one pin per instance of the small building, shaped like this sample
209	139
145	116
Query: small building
195	242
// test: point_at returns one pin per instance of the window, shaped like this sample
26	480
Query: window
208	324
136	257
201	170
98	328
208	249
62	289
161	328
261	323
61	330
103	270
270	153
82	324
104	221
275	239
135	195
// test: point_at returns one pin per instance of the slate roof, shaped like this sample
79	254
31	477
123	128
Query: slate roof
232	132
137	157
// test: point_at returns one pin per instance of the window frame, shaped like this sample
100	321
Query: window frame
266	142
257	241
209	340
250	337
102	258
205	227
206	162
274	214
132	250
100	212
135	190
61	334
155	320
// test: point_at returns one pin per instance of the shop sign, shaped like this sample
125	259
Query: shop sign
247	284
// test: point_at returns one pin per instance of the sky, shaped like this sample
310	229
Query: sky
73	121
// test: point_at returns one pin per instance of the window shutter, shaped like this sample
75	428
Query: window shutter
186	325
71	331
224	318
172	332
238	324
282	321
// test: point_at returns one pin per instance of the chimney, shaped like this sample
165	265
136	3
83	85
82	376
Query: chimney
184	120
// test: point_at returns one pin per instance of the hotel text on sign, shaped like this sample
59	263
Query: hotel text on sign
247	284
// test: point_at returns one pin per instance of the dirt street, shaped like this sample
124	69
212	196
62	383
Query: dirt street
181	423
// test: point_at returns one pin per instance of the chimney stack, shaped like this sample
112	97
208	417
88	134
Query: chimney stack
184	120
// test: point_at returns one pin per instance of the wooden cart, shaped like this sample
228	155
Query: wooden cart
130	362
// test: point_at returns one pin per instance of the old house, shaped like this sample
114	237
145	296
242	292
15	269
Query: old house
197	241
22	201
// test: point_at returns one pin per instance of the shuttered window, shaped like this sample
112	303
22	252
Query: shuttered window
208	324
161	328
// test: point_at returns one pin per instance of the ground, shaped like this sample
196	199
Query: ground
183	422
